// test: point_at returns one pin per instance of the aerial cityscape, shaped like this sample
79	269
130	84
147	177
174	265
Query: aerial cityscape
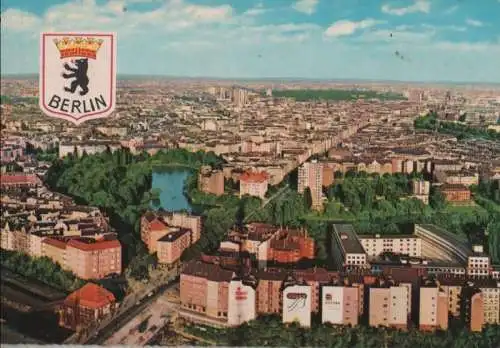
317	173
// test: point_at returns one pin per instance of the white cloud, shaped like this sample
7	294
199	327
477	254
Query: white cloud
301	37
474	23
17	20
306	6
345	27
452	9
256	11
172	15
467	46
445	27
423	6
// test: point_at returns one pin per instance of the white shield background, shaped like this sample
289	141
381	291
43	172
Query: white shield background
101	73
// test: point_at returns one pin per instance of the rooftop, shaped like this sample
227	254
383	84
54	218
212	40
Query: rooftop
90	295
349	239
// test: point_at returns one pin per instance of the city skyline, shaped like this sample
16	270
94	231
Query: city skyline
420	41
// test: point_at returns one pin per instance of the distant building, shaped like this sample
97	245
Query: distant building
86	306
289	246
19	180
89	147
458	177
239	97
254	184
421	189
169	234
9	153
310	175
455	192
211	181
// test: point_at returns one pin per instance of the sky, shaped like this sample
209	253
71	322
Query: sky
403	40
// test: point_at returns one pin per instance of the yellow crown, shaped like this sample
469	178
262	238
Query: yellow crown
78	47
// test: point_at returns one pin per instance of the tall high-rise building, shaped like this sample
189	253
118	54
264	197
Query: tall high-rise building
311	175
239	97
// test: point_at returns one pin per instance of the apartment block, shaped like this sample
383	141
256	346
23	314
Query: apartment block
310	174
455	192
157	225
254	184
211	181
388	307
347	249
91	259
55	249
399	244
204	289
478	264
472	308
289	246
433	307
269	290
340	305
171	246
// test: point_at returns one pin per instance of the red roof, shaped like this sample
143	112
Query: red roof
254	177
18	178
157	225
90	295
98	245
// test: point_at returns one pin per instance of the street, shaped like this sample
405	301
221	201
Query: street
130	306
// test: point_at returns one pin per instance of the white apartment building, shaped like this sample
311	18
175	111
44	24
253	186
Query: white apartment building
405	244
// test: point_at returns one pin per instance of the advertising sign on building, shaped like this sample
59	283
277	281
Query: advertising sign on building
297	305
332	298
241	306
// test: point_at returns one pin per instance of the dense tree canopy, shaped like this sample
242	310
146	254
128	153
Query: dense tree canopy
42	269
269	331
461	131
334	94
120	183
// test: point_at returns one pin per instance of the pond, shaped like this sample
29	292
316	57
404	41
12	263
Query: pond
171	183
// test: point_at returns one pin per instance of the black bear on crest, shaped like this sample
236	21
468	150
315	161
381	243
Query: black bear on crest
80	75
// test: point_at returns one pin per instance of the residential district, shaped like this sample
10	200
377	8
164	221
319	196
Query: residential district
104	273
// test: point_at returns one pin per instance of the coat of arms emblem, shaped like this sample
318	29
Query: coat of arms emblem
77	75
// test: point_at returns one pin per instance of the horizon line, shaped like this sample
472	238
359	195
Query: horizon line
268	79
